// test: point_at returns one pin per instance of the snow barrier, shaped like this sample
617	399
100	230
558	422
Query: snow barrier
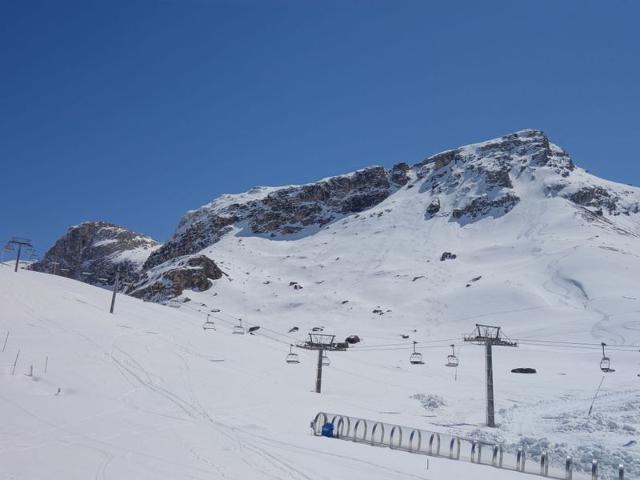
442	445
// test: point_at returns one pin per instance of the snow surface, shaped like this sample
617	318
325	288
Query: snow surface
147	394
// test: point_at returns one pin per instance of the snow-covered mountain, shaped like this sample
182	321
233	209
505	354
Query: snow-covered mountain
465	186
94	251
508	232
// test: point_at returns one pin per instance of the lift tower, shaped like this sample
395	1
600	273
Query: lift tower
20	242
322	343
489	335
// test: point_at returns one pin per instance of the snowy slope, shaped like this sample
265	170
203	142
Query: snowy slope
558	265
146	393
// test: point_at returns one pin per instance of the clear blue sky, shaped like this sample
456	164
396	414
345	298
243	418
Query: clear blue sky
135	111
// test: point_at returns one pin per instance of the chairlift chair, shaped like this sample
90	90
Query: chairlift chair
292	357
325	360
452	360
416	357
238	329
208	324
605	362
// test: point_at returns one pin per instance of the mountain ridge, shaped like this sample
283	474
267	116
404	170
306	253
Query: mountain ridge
465	185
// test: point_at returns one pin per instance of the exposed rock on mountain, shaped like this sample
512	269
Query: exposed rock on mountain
281	211
93	251
169	281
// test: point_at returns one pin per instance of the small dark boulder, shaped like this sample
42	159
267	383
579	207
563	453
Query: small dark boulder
434	206
447	256
295	285
293	329
253	329
352	339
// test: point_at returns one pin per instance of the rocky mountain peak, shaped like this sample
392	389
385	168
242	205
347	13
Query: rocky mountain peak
93	251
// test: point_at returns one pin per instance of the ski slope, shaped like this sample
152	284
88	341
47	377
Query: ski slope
146	393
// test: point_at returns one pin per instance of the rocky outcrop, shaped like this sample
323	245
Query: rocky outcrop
598	197
281	212
483	206
187	273
93	251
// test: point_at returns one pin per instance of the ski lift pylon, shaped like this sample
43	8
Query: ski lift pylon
238	329
416	357
605	362
452	360
292	357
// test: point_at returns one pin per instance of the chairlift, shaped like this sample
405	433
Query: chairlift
238	329
452	360
605	363
325	360
208	324
416	357
292	357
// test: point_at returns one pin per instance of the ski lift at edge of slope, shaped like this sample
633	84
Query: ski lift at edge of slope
292	357
325	360
238	329
605	362
416	357
452	360
208	324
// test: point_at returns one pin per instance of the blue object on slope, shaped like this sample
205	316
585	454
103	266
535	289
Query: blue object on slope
327	430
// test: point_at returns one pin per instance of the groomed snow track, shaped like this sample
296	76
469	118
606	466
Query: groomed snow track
442	445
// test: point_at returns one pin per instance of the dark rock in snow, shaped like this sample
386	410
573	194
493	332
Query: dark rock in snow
434	206
352	339
447	256
482	206
187	273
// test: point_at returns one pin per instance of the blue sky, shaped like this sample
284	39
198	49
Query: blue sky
136	111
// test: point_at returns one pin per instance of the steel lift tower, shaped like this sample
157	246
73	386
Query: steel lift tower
322	343
489	335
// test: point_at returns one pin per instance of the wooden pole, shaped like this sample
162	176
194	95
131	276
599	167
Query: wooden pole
13	371
5	341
